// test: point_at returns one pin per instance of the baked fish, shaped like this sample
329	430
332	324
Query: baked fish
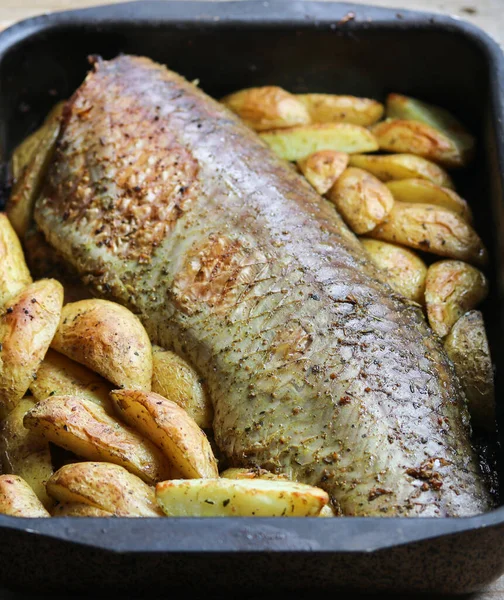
164	201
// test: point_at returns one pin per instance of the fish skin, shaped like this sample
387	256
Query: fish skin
164	201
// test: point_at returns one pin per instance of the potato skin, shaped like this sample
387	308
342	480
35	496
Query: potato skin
27	187
26	150
432	229
295	143
254	473
14	274
362	200
321	169
415	137
83	427
78	509
239	498
106	487
467	347
394	167
403	270
175	379
406	107
426	192
331	108
26	453
268	107
107	338
17	499
27	326
452	287
58	375
171	429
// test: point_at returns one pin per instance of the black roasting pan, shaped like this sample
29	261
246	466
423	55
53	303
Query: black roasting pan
303	46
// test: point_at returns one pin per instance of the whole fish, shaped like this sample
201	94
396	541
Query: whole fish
164	201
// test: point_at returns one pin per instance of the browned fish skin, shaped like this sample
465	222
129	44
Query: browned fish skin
165	202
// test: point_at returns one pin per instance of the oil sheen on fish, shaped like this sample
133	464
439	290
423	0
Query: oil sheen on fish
164	201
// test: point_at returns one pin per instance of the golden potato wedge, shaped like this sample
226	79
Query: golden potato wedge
60	376
239	498
107	338
296	143
104	486
175	379
268	107
168	426
467	347
23	153
26	150
26	453
17	499
403	270
392	167
326	511
78	509
14	274
26	189
331	108
405	107
433	229
426	192
322	169
452	287
362	200
27	326
253	473
415	137
83	427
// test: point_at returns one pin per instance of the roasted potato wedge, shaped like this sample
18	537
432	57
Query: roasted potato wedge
239	498
296	143
426	192
331	108
268	107
326	511
433	229
467	347
104	486
26	453
252	473
26	150
175	379
168	426
393	167
362	200
60	376
14	274
256	473
323	168
83	427
452	287
107	338
26	189
414	137
17	499
78	509
405	107
403	270
27	326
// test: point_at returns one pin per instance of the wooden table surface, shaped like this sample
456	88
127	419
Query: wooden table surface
487	14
